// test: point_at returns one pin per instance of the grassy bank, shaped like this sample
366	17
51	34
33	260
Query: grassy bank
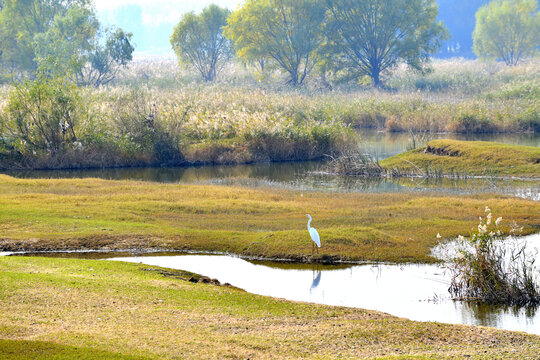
99	214
87	309
461	158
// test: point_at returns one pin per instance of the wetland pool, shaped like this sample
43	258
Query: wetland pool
414	291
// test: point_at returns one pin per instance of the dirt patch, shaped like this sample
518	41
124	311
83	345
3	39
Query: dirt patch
442	151
187	276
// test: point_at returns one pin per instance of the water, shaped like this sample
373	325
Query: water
417	292
309	175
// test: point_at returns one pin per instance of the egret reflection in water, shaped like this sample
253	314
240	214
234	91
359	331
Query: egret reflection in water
316	278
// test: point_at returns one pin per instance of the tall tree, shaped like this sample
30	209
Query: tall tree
198	41
367	37
287	32
106	60
64	47
20	21
61	38
507	30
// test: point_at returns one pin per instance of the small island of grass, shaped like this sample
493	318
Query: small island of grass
455	158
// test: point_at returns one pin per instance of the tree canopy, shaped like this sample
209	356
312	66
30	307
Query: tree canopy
21	21
367	37
60	38
198	41
287	32
507	30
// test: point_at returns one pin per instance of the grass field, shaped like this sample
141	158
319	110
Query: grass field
263	222
452	157
88	309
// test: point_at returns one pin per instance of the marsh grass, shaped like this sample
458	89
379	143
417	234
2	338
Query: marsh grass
243	119
459	95
488	269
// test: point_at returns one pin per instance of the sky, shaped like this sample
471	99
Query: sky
151	21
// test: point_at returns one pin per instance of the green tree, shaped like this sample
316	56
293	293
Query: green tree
287	32
507	30
61	38
368	37
42	115
63	49
105	61
198	41
20	21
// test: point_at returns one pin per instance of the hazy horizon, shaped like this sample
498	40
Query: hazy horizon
152	23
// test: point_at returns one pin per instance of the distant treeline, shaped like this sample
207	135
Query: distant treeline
457	15
359	40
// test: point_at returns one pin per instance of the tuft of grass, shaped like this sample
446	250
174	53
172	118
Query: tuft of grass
355	164
269	223
85	309
451	157
488	270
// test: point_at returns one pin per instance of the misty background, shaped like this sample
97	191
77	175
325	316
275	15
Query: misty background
152	22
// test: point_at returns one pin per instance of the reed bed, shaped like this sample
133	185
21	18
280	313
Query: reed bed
157	114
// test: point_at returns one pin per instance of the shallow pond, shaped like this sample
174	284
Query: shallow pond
309	175
416	292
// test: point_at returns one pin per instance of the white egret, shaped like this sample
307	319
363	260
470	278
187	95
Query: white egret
314	234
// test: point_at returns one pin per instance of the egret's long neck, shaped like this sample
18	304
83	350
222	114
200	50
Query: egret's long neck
308	223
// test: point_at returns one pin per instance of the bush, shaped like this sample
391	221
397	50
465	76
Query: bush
43	117
468	123
144	132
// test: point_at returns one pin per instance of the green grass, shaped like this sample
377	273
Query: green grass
88	309
453	157
50	350
269	223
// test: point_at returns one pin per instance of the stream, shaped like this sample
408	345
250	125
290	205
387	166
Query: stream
414	291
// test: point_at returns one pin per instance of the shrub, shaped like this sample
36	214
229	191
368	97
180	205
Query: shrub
145	132
43	116
468	123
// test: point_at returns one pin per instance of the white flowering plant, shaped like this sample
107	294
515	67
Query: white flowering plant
492	269
488	232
